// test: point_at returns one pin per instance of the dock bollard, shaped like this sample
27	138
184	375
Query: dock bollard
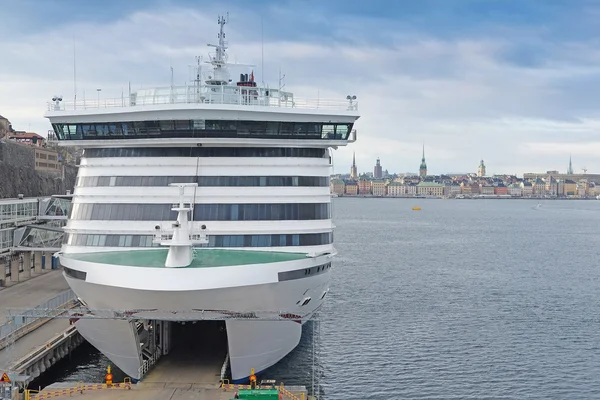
108	377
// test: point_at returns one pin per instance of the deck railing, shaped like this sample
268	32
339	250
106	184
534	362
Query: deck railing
230	95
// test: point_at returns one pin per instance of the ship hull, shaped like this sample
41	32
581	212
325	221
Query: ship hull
270	339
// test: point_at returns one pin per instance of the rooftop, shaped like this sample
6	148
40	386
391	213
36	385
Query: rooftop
204	258
25	135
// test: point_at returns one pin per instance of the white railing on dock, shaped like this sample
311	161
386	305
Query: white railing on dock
149	363
58	303
207	94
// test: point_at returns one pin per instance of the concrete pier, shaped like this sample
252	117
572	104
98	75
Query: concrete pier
139	392
32	292
37	345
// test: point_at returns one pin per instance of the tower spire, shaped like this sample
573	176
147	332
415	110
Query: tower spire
423	167
353	169
570	170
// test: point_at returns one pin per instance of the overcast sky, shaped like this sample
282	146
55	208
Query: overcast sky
513	82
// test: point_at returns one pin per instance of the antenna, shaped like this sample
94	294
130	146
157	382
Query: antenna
172	99
262	51
281	80
74	74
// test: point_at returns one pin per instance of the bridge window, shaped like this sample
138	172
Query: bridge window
203	128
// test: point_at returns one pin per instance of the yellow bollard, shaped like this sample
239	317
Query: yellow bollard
109	377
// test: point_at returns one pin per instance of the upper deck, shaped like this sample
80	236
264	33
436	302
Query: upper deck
225	95
213	110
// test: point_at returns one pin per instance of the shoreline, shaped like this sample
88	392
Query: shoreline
463	198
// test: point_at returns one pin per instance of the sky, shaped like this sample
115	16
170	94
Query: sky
513	82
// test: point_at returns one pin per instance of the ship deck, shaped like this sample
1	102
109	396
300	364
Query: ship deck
204	258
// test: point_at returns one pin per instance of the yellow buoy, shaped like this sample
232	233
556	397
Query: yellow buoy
416	208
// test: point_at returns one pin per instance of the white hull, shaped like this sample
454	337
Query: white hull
271	340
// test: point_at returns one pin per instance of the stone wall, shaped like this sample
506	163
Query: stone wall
18	175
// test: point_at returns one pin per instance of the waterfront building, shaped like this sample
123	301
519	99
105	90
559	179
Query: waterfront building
569	188
454	189
560	187
486	189
527	189
364	187
481	169
353	168
538	187
430	189
378	170
501	190
378	188
465	187
411	189
351	187
515	190
337	186
551	186
423	167
396	189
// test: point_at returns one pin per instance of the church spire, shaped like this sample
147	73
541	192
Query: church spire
423	167
353	169
570	170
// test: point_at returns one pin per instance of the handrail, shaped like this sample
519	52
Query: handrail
59	304
149	363
80	388
208	94
287	393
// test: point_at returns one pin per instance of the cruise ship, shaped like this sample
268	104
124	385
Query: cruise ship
207	198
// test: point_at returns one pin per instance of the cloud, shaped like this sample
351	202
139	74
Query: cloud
510	94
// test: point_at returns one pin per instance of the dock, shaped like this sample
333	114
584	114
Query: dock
141	392
193	369
29	346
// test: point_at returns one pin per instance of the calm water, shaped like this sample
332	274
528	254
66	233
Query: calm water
464	299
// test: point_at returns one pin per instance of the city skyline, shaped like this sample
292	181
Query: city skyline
480	170
511	82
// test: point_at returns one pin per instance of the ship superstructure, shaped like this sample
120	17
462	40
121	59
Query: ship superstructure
247	168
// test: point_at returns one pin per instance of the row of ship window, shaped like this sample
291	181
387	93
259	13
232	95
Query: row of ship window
207	152
202	212
308	181
203	129
308	239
